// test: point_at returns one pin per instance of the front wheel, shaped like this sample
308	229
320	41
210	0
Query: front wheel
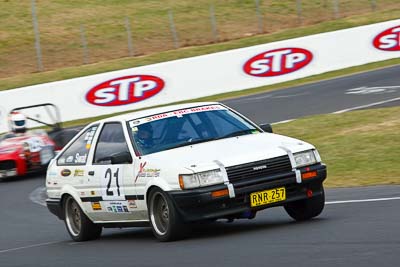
165	220
79	226
306	209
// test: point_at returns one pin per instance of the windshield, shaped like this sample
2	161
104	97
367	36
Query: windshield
187	127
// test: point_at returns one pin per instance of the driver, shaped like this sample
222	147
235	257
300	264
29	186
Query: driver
144	135
18	123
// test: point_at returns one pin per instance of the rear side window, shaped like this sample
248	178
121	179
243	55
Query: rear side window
111	142
77	153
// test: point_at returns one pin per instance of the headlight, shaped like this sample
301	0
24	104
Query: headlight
187	181
304	158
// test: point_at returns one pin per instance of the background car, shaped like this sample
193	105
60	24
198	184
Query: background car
31	151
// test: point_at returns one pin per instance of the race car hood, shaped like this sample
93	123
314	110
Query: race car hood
229	151
11	144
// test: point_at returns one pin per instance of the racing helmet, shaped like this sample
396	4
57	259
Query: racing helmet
144	135
18	122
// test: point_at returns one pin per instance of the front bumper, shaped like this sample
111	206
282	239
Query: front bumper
198	204
9	167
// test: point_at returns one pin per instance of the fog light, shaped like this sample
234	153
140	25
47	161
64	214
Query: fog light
308	175
309	193
220	193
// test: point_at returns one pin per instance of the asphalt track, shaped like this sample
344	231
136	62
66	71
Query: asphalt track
359	226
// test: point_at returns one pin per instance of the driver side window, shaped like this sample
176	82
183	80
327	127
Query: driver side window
111	142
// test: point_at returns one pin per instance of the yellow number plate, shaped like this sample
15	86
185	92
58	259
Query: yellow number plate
267	196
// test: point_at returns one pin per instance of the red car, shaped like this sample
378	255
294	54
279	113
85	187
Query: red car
27	152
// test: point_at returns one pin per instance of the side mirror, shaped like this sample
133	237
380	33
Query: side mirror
121	158
266	127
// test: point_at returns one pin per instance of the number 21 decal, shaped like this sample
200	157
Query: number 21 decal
109	177
111	188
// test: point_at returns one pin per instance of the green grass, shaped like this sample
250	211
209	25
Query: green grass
360	148
60	22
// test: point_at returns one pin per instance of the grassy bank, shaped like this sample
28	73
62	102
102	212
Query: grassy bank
360	148
15	78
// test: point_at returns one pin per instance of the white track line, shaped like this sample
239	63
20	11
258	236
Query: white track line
31	246
279	122
361	200
38	196
349	109
367	106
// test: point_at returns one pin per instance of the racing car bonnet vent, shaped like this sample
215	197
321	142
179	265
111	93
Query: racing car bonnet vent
259	168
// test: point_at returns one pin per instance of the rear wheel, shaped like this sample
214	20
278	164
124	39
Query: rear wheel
307	208
79	226
165	221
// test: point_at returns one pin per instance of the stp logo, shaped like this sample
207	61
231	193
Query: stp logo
125	90
278	62
388	40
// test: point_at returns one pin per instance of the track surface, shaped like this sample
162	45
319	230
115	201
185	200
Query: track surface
323	97
346	234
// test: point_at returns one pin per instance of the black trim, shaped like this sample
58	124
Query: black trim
198	204
91	199
55	207
97	199
125	224
134	197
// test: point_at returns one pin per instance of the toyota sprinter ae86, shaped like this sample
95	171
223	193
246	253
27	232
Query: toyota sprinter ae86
171	166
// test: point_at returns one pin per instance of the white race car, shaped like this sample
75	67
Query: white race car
169	166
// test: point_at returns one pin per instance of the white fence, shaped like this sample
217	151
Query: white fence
211	74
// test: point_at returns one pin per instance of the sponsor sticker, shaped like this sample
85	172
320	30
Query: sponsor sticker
52	174
78	172
80	158
89	137
278	62
150	173
141	168
132	204
65	172
125	90
118	207
69	159
176	113
388	40
96	206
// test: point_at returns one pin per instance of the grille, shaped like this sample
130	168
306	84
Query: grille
257	169
7	165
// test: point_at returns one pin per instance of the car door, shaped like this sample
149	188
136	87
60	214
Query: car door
113	168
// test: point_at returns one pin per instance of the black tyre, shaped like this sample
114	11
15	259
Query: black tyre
79	226
165	220
306	209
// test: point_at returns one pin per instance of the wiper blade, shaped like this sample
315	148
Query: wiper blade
189	143
238	133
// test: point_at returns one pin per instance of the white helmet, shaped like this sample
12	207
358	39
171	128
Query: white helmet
18	122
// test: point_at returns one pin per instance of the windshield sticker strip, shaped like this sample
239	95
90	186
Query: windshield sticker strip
176	113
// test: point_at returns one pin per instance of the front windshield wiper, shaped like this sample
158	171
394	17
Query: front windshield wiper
189	142
238	133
